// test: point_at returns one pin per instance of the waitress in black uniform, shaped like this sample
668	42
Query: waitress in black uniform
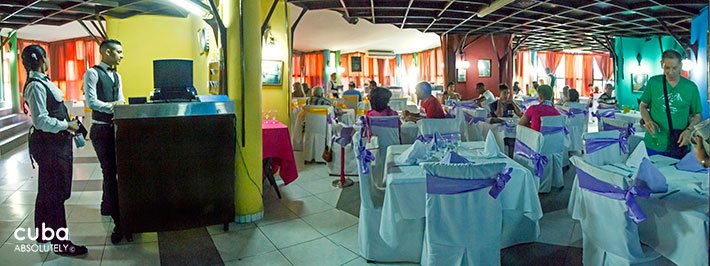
51	146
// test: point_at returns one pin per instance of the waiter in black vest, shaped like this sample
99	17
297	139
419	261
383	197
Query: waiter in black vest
102	85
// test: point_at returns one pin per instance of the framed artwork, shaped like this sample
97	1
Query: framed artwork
271	72
461	75
638	82
484	68
355	64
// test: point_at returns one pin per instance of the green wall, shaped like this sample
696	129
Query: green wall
627	49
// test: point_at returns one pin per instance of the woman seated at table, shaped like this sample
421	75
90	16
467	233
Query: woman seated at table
297	91
431	105
450	93
532	115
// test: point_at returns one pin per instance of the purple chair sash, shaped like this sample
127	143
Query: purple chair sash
527	100
455	105
345	136
538	159
608	113
390	123
441	185
329	118
471	120
626	131
589	183
364	156
594	145
549	130
509	128
572	112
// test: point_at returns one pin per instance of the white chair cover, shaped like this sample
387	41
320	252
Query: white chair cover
398	104
351	101
552	149
297	117
614	124
472	120
443	126
386	136
577	126
317	131
396	92
372	247
557	148
471	235
609	236
350	162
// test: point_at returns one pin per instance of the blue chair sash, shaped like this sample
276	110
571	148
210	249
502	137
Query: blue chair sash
572	112
589	183
527	100
549	130
390	123
344	137
364	156
441	185
538	159
594	145
608	113
471	120
626	131
457	104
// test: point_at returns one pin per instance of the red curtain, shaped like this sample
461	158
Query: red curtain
70	59
552	60
313	67
297	68
605	65
569	73
431	65
587	70
21	44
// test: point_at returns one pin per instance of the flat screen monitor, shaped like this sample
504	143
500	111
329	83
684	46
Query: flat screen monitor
172	73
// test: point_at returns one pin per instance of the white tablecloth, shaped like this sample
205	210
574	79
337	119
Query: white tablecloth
676	225
405	194
633	117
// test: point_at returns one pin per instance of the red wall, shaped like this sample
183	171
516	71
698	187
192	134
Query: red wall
483	49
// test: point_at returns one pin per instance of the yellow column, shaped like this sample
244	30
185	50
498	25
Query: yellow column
248	187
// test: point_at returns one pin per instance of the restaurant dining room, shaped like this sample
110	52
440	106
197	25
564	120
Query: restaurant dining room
351	132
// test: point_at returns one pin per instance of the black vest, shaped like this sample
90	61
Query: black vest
55	108
106	91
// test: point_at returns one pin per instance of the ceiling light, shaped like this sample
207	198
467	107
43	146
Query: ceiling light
687	65
191	7
493	7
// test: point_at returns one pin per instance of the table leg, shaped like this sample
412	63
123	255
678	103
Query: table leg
270	176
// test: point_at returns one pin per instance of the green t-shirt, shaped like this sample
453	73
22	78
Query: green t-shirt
684	100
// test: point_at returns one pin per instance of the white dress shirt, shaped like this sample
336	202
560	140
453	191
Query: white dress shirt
36	98
91	78
490	98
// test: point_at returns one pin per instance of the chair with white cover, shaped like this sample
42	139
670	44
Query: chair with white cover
600	148
398	104
555	128
609	215
372	247
577	121
342	136
470	235
351	101
317	133
297	117
529	145
625	128
601	113
387	131
472	123
448	128
397	92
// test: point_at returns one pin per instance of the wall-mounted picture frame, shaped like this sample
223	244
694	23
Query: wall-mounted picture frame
355	64
484	68
271	72
638	82
460	75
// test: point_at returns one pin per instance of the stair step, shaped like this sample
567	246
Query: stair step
11	119
14	141
13	129
5	111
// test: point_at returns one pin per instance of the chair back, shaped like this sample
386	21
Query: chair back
298	102
398	104
604	154
386	128
554	129
625	128
470	235
396	92
577	121
351	101
443	126
316	118
605	221
364	173
472	120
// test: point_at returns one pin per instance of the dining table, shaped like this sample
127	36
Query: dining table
277	153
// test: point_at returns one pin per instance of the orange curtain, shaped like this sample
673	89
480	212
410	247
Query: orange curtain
552	60
21	44
587	70
70	59
313	67
605	65
431	65
569	73
297	68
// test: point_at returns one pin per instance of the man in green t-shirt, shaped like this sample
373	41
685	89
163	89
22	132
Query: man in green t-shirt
685	109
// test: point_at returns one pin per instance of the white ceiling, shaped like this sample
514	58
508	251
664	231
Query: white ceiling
326	29
48	33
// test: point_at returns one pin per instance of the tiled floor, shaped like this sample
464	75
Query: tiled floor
305	227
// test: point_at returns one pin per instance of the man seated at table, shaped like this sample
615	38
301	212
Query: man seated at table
431	105
606	100
504	106
352	91
485	97
532	115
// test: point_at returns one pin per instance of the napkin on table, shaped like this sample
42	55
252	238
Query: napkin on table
416	151
649	174
453	157
637	155
690	163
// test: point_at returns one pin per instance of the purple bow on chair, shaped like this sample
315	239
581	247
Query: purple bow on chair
364	156
608	113
471	120
594	145
572	112
588	182
329	118
527	100
390	123
345	136
538	159
549	130
441	185
625	131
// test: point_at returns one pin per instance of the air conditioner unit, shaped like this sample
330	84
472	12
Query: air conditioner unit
380	54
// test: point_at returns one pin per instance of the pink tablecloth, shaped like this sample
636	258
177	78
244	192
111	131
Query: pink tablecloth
277	146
